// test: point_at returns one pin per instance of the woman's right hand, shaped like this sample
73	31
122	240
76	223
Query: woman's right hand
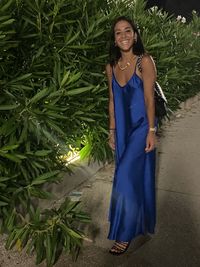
111	140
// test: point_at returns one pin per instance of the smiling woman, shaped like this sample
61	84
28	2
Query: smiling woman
124	39
132	136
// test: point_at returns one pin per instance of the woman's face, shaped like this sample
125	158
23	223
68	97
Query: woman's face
124	35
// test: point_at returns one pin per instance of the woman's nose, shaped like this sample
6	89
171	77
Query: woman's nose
123	34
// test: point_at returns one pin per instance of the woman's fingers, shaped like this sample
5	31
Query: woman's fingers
111	143
150	148
112	146
150	144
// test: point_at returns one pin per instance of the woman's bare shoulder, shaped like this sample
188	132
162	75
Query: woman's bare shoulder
147	59
148	62
108	67
108	70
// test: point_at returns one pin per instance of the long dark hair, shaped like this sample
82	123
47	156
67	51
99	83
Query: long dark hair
114	51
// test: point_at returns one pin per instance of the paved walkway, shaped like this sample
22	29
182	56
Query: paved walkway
177	239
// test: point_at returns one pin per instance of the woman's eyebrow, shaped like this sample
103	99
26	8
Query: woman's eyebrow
127	28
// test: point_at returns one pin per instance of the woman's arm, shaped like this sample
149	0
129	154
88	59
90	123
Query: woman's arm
111	108
149	78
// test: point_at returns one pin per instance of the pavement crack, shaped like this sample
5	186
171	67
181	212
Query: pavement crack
178	192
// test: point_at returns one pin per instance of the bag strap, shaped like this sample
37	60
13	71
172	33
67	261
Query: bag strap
138	63
157	87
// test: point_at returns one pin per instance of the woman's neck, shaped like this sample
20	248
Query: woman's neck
127	56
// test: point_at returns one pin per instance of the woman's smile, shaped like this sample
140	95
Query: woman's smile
125	42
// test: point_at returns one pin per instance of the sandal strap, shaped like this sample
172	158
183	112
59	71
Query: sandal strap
119	246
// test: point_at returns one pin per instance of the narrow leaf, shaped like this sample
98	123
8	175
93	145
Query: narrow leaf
39	96
8	107
44	177
79	90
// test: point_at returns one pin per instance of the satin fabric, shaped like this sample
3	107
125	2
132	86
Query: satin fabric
132	205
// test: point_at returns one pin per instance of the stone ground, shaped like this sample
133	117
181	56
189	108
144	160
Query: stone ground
176	242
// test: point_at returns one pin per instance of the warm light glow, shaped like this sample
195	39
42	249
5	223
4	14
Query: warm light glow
72	158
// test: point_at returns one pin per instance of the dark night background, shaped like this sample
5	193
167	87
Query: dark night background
177	7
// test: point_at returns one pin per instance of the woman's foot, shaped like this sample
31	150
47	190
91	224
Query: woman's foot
119	247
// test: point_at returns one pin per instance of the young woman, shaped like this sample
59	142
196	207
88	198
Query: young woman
132	135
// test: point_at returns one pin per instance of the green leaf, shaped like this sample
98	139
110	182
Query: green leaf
64	80
44	177
10	239
9	147
73	38
40	51
39	248
36	192
24	237
41	94
2	179
55	127
103	129
3	203
8	107
72	233
68	206
30	246
159	44
42	153
79	90
11	157
74	78
10	220
4	18
48	249
21	78
49	136
6	6
85	151
87	119
38	165
17	233
83	217
7	22
56	115
80	47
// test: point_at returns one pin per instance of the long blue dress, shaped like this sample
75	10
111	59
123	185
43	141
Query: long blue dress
132	206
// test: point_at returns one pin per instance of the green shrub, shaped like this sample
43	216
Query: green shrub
54	96
49	233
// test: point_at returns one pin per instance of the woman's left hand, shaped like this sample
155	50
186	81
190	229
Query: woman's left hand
150	142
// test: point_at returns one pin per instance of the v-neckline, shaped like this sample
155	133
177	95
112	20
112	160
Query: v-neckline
122	86
134	72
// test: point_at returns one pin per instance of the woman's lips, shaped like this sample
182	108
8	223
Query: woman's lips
125	42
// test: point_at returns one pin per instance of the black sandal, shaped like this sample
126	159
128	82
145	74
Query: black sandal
119	248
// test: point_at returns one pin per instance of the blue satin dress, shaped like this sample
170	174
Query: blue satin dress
132	206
